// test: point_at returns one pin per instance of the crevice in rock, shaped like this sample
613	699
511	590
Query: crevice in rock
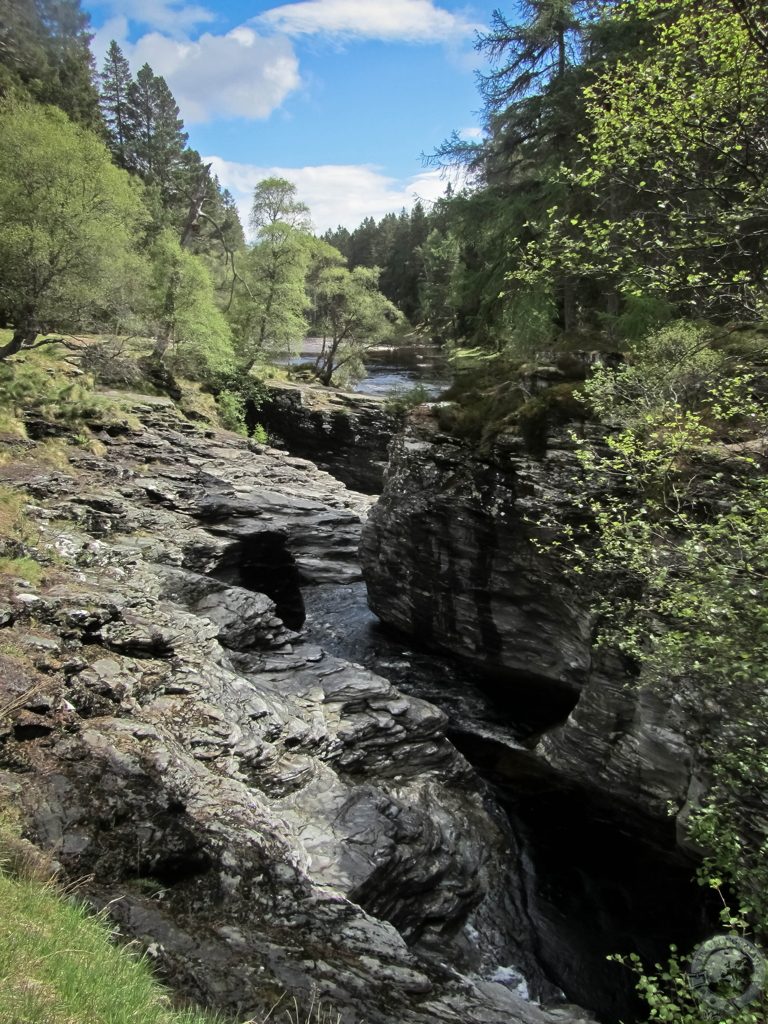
173	869
263	563
25	733
599	880
592	877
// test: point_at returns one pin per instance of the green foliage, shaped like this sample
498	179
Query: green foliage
673	180
352	315
260	435
394	244
185	313
670	534
236	396
70	221
400	402
37	385
154	137
269	312
275	202
725	826
116	81
45	56
231	409
666	990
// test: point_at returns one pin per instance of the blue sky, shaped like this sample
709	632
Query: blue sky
339	96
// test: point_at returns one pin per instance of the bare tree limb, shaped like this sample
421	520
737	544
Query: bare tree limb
230	259
196	205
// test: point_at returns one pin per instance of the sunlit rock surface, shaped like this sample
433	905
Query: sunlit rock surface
344	433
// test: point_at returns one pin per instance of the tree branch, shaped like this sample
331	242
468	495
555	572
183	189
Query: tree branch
757	27
230	257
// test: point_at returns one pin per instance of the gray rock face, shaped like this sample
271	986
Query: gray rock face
346	434
452	554
260	815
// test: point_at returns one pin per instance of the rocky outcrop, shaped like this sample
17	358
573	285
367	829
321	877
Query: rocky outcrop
261	816
456	553
343	433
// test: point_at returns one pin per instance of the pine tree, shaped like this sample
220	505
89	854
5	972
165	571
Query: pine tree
45	56
170	140
142	114
116	81
158	149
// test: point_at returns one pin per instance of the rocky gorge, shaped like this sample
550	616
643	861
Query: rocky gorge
345	433
260	815
440	811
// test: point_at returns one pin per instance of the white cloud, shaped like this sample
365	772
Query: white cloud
240	74
418	21
114	28
172	16
335	193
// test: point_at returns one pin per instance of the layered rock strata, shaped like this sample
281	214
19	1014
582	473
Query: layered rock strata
343	433
457	553
260	815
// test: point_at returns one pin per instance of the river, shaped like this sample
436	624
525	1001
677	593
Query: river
390	369
594	879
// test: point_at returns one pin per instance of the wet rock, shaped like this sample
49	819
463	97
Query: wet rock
455	554
447	556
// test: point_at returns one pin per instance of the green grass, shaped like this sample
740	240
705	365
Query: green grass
13	522
58	966
22	568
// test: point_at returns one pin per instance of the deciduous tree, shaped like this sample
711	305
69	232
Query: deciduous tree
270	314
70	220
352	316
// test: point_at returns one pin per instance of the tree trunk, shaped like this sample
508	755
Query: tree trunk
22	336
165	338
192	222
755	22
568	297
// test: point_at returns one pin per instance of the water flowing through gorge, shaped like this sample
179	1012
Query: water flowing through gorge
594	879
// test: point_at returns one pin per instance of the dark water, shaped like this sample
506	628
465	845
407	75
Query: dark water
595	880
390	370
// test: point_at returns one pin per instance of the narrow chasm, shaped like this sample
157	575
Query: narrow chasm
595	879
263	563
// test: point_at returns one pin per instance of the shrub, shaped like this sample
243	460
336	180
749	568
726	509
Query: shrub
231	409
401	402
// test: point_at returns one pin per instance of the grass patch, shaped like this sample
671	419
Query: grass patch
196	403
57	962
11	425
13	521
58	966
23	569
